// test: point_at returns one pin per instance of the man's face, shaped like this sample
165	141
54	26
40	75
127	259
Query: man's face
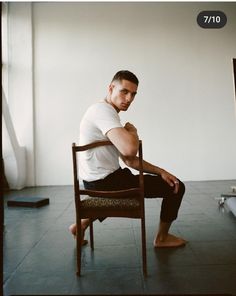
122	94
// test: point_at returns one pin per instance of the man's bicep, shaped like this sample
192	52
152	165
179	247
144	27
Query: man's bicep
120	137
116	136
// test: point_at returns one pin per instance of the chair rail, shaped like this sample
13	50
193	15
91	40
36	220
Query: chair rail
91	145
113	193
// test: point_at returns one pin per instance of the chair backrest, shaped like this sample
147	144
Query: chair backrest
138	191
128	203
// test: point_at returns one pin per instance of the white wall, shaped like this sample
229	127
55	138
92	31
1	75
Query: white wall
184	110
18	83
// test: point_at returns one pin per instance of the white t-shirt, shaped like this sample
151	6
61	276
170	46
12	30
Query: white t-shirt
97	163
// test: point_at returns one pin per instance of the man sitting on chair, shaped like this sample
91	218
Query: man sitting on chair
100	170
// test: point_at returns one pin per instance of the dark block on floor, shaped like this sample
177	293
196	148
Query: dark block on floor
31	202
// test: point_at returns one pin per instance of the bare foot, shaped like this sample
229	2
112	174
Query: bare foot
169	241
72	229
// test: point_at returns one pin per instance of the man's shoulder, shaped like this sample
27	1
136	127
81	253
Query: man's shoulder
100	106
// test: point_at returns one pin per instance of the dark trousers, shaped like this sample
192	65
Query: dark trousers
154	186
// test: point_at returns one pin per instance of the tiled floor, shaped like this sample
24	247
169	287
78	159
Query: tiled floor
39	252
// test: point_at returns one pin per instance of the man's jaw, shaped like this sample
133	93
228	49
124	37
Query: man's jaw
124	107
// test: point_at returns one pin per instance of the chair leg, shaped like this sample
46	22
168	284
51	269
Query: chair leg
144	253
91	234
78	247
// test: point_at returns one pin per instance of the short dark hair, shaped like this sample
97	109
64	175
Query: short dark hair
125	75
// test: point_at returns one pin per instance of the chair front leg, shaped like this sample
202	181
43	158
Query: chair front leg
144	252
91	234
78	246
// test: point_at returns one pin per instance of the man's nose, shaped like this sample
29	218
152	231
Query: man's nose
129	97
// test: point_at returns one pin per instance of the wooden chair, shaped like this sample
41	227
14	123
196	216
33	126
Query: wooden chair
99	204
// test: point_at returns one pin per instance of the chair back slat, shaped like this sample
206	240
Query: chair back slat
75	174
141	180
92	145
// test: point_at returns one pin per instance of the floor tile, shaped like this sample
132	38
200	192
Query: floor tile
125	256
188	280
121	281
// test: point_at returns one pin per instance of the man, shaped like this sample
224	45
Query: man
100	169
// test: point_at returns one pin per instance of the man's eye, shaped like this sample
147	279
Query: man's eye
124	91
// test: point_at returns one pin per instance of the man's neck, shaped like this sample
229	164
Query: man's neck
108	101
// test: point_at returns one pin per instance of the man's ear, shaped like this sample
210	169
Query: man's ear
110	88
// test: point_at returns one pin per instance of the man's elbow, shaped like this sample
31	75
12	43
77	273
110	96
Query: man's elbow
130	152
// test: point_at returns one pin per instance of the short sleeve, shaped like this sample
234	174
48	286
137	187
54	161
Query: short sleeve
105	117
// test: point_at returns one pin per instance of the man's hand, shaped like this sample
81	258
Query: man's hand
130	127
171	180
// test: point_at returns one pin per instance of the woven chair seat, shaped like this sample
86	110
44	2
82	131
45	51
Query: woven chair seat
116	203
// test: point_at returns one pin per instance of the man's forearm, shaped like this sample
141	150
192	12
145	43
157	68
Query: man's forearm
152	169
131	129
135	138
147	167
